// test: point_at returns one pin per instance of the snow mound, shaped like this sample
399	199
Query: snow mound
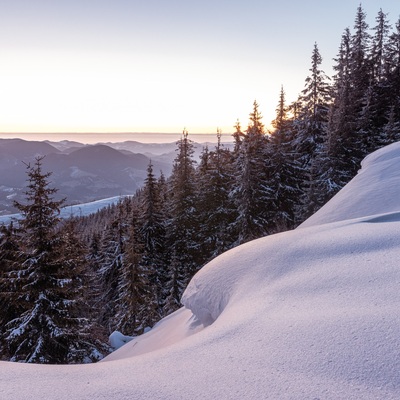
117	339
374	190
207	301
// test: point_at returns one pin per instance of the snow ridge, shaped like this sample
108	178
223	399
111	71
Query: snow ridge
373	191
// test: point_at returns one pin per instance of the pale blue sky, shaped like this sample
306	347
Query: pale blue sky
159	66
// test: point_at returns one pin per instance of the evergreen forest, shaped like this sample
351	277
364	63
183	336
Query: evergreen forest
66	285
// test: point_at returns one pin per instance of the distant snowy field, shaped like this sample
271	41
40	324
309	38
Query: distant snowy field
78	210
309	314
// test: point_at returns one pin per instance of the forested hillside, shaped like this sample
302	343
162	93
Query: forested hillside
138	256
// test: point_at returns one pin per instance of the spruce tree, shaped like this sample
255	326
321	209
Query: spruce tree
379	47
182	227
50	327
251	191
91	338
360	95
216	209
391	131
153	235
286	171
10	306
134	297
112	250
313	116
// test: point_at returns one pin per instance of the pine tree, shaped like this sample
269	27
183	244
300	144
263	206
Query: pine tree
374	114
238	136
50	327
391	131
281	122
311	127
91	338
341	163
153	235
379	46
251	192
113	247
182	227
10	307
216	209
287	173
93	259
313	117
360	95
135	299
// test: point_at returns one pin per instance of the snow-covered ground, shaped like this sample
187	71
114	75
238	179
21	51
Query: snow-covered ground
77	210
309	314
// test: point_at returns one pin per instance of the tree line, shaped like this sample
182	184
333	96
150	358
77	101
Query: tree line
66	285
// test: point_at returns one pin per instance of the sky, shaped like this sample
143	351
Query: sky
161	65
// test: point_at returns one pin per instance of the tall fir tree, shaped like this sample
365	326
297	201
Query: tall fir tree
287	172
135	301
183	224
153	234
340	164
311	131
10	306
50	327
379	47
251	191
391	89
113	247
361	80
216	209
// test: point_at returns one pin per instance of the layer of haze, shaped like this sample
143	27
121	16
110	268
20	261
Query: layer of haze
159	66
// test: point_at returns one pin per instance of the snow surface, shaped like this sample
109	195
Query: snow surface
309	314
76	210
117	339
375	190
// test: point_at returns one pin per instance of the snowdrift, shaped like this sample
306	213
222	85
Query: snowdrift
375	190
308	314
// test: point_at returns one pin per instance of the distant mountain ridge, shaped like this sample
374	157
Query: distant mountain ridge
81	173
84	172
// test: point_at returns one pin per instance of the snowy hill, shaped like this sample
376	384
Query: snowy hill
375	190
308	314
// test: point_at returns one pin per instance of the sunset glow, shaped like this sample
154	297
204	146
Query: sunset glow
154	66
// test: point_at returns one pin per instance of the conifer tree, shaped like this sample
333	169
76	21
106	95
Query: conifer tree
379	46
216	209
287	173
340	164
135	303
95	293
153	235
238	136
9	254
313	118
251	191
360	95
391	88
50	327
113	246
182	227
91	336
311	127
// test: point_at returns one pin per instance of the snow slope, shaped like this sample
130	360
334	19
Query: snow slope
375	190
308	314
